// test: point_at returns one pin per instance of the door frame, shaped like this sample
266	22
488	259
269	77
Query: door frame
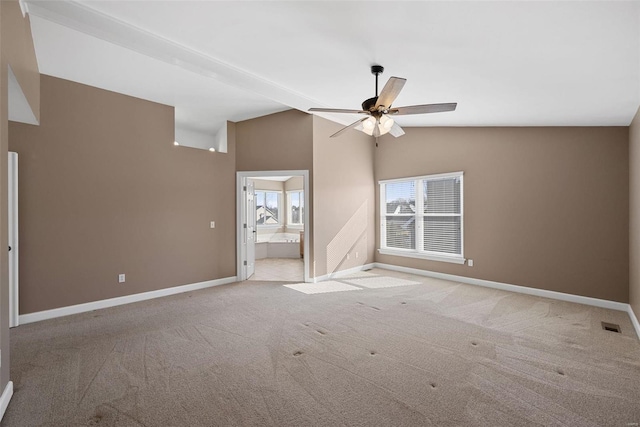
240	206
13	257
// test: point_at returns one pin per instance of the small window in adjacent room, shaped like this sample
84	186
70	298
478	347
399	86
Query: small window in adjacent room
296	207
422	217
267	207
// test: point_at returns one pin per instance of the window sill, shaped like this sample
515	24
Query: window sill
412	254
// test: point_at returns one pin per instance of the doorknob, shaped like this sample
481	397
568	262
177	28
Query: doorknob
9	248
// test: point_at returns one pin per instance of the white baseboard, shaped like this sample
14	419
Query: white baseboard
634	320
112	302
342	273
613	305
6	398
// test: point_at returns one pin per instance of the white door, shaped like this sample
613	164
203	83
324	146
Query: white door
250	233
13	239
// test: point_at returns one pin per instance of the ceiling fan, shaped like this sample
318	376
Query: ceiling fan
378	109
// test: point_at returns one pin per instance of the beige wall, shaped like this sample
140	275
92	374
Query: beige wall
544	207
634	214
265	184
19	52
104	191
294	183
343	198
280	141
16	50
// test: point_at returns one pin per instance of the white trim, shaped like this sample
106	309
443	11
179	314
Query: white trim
634	320
343	273
595	302
382	205
112	302
240	176
462	216
24	7
421	177
288	208
6	398
14	254
240	255
419	216
422	255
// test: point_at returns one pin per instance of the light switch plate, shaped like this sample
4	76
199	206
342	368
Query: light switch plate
120	278
212	224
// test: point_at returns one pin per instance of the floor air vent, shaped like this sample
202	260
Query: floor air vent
610	327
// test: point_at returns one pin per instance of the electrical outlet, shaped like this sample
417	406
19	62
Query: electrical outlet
212	224
120	278
470	262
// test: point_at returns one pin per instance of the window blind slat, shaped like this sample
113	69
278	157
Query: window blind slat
442	195
401	232
442	234
401	198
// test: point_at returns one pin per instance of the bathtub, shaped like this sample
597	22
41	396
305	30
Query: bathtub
278	245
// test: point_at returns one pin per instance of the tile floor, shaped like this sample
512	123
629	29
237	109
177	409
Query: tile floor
279	269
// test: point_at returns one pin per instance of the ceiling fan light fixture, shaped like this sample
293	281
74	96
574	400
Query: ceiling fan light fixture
369	123
368	131
386	122
383	130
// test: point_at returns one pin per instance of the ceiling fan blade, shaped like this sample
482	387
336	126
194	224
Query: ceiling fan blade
390	92
396	130
346	128
423	109
336	110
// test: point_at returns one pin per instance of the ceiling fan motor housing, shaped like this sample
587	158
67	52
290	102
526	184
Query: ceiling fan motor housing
369	104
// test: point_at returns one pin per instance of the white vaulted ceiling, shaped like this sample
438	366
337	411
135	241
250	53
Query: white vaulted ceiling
508	63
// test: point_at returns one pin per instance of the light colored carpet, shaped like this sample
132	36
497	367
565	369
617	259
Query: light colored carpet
322	287
381	282
257	353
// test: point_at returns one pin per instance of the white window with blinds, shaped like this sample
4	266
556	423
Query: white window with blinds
422	217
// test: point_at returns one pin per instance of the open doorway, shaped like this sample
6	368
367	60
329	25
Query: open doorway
272	232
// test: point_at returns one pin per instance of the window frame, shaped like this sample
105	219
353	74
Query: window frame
419	216
279	193
290	214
